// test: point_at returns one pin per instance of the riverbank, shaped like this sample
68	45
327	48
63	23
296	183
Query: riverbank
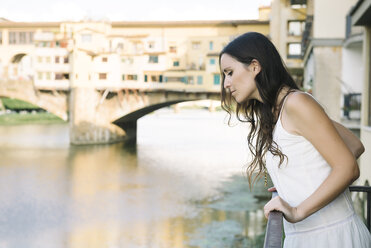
13	118
17	112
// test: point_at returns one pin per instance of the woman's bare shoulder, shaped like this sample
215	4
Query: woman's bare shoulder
303	112
301	103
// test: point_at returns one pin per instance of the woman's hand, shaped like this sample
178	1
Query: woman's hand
291	214
272	189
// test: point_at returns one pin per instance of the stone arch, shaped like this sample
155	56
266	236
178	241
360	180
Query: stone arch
129	122
20	67
17	58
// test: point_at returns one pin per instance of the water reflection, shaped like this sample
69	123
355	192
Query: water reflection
182	186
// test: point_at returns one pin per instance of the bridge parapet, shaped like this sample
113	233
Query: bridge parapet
104	113
110	115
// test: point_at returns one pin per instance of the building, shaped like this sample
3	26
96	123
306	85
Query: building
330	60
286	30
359	17
59	55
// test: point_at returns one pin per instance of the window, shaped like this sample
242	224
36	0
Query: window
57	59
123	77
216	79
39	75
47	60
174	79
86	38
211	45
65	60
151	44
22	37
136	47
1	37
67	76
294	50
39	59
132	77
12	38
296	28
196	45
212	61
190	80
296	4
154	78
58	76
172	49
63	76
48	75
199	79
176	63
153	59
104	59
120	46
130	60
102	76
30	37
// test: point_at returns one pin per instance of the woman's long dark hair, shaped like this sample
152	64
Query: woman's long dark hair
272	77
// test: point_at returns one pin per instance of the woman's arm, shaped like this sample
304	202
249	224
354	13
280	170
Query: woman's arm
352	141
305	117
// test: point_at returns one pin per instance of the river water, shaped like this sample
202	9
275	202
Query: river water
182	185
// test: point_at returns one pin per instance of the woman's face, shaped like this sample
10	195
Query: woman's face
240	79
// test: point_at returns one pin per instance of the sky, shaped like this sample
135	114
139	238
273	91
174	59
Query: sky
129	10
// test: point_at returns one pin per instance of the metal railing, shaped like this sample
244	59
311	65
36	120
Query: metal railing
367	190
274	230
307	34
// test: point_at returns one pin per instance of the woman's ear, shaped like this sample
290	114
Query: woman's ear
256	67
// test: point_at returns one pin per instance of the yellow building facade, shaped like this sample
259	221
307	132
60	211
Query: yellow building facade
60	55
287	23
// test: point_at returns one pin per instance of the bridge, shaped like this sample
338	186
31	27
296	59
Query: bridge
104	114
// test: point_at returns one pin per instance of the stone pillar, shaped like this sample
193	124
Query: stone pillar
87	124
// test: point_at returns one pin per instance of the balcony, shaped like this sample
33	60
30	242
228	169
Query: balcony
352	106
350	30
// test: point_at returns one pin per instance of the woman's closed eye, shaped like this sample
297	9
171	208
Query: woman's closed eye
229	73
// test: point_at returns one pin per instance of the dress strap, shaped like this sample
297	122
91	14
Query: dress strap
284	100
283	104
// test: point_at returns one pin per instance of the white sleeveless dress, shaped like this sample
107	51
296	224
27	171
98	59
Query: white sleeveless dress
335	225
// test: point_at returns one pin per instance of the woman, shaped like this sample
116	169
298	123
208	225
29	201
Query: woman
310	159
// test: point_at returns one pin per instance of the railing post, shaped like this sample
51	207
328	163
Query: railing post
367	190
273	232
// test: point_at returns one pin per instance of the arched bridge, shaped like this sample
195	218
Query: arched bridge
100	114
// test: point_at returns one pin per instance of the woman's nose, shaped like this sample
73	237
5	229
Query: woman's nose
227	83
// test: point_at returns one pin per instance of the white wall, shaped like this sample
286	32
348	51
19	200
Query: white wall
352	73
329	18
309	72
